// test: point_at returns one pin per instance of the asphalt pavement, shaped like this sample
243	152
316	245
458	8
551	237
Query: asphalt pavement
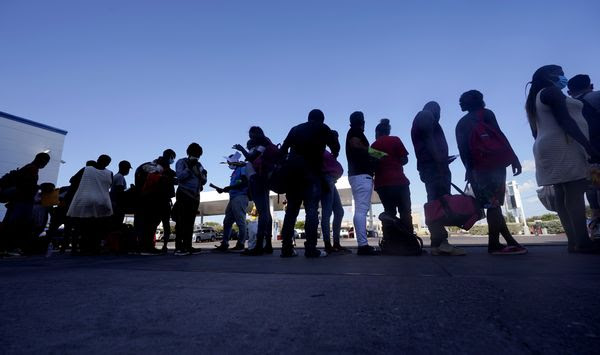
546	302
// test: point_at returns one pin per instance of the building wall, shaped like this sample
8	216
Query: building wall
20	142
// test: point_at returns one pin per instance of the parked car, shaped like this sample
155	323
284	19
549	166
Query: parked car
205	234
372	233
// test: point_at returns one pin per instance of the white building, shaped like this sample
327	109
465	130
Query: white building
514	205
21	139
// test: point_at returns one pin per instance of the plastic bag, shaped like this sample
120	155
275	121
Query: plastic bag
547	197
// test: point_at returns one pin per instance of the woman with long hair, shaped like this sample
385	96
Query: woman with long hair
561	151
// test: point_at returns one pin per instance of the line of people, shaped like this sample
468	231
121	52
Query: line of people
305	167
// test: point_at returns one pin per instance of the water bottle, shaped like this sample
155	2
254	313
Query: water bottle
50	250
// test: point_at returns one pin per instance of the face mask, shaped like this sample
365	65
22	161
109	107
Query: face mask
193	158
171	161
561	82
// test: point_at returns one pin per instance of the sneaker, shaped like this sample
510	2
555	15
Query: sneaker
195	251
252	252
367	250
315	253
510	250
151	252
594	227
288	253
222	248
448	249
341	249
182	252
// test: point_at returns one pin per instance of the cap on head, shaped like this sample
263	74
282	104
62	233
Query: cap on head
124	165
316	115
234	158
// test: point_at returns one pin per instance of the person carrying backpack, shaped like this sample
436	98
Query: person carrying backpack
485	153
581	88
260	157
19	188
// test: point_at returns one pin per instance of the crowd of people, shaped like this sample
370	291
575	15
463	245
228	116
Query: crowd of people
305	168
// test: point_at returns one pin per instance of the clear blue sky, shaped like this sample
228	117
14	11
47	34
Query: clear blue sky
131	78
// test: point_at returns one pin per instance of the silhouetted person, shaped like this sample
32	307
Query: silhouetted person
155	184
306	144
17	233
489	181
191	176
168	192
331	203
257	170
431	150
72	230
582	89
391	184
360	176
91	205
117	193
238	203
561	143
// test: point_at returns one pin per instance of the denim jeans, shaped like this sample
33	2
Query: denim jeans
307	190
235	212
331	203
396	200
260	195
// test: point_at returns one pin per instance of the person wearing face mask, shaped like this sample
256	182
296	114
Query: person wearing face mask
485	170
191	177
431	150
237	205
561	151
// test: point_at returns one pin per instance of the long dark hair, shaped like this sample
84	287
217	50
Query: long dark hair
539	81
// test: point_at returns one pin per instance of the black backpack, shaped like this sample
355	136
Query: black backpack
8	185
396	239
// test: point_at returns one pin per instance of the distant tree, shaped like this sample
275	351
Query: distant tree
299	225
217	226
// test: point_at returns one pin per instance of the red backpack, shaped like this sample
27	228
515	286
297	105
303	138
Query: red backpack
489	149
266	162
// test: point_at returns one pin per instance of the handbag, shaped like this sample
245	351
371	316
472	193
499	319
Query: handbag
454	210
547	197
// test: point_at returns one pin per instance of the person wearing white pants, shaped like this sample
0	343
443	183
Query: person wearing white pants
360	176
362	188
